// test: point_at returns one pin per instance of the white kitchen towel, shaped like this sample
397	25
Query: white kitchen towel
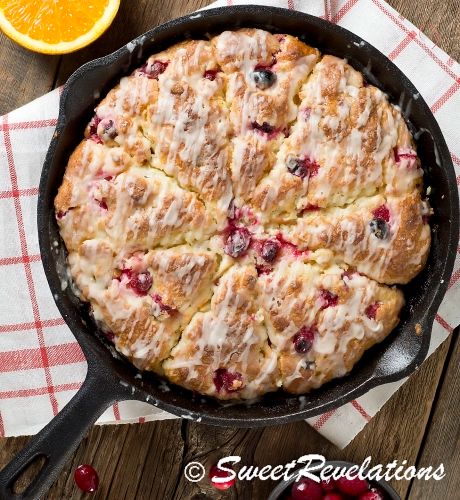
42	366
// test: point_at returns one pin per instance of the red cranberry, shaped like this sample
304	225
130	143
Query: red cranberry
216	472
371	310
263	78
379	224
86	478
154	70
354	486
403	154
269	250
265	128
261	269
306	489
108	178
93	125
289	246
328	299
95	138
269	65
163	307
382	212
224	379
103	204
309	208
302	167
61	214
237	242
328	485
333	496
210	74
303	339
140	282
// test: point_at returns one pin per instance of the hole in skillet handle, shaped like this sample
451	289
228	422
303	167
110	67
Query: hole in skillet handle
29	472
56	442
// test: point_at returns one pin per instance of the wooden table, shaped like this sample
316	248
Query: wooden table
420	423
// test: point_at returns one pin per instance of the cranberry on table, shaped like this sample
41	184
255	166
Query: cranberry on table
306	489
355	486
216	472
86	478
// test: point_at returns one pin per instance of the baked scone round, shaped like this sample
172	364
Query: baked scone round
240	212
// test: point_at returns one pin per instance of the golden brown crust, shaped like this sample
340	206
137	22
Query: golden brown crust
227	337
396	258
237	210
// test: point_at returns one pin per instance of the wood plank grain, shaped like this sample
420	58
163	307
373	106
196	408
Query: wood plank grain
133	19
442	443
437	20
25	75
133	461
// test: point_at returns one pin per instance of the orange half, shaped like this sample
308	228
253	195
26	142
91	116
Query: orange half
56	26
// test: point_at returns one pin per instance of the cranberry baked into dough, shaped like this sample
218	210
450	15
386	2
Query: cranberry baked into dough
239	213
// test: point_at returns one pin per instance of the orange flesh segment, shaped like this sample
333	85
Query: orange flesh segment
53	21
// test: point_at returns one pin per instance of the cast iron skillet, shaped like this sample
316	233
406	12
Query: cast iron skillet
111	378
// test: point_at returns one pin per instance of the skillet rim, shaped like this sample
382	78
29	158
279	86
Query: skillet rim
88	340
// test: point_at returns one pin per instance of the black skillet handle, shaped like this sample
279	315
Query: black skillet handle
59	439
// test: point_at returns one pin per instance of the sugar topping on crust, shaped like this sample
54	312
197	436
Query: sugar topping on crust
237	212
